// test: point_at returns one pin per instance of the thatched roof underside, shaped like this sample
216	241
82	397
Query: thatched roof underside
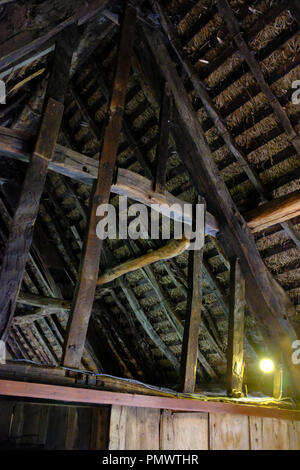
118	344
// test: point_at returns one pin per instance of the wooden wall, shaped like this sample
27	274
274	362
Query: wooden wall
141	428
43	426
53	427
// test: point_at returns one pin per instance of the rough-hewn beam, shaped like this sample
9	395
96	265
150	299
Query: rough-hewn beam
235	346
173	248
59	14
15	144
274	212
22	224
88	274
162	149
267	300
189	352
216	117
233	26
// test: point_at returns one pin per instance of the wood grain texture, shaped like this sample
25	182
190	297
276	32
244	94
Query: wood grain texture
183	431
89	266
269	434
228	432
265	297
14	388
235	344
134	428
190	344
274	212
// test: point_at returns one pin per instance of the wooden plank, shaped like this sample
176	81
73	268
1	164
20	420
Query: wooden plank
235	344
294	435
283	208
162	149
190	344
269	434
227	432
87	279
134	428
100	428
22	224
265	298
183	431
216	117
14	388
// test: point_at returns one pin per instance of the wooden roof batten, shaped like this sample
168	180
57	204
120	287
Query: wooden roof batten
265	297
218	120
64	155
21	228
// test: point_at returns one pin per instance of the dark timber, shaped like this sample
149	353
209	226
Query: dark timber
88	274
163	144
235	347
22	224
189	352
266	299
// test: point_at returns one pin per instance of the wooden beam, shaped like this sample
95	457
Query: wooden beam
162	149
274	212
12	388
217	118
235	345
266	299
173	248
190	345
67	162
87	279
22	224
295	9
233	26
60	15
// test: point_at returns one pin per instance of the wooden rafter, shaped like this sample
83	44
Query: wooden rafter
274	212
265	297
21	228
85	290
217	118
60	15
233	26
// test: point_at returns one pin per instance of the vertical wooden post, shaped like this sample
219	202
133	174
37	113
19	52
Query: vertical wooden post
190	344
162	150
22	224
235	356
89	268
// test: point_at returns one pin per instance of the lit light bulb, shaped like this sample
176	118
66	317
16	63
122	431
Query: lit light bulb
266	365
